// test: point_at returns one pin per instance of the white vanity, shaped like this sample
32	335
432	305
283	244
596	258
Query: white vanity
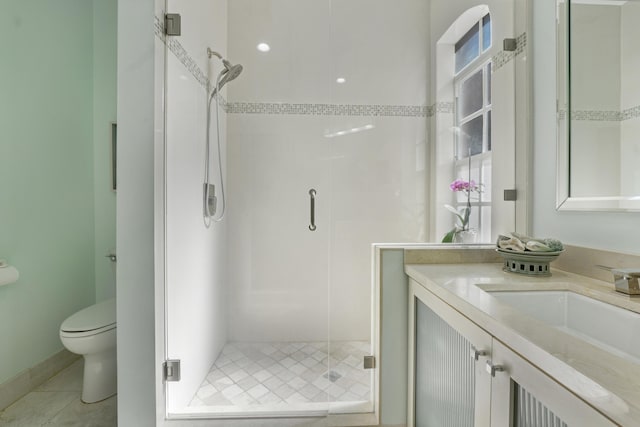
541	354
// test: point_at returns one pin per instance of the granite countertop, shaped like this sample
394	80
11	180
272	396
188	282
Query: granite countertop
606	381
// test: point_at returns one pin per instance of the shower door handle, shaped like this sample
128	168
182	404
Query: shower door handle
312	198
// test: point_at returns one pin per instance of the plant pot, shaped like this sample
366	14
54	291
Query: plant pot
466	236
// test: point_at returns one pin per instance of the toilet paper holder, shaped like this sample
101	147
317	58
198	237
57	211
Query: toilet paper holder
8	273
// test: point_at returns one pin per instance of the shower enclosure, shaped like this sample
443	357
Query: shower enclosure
272	311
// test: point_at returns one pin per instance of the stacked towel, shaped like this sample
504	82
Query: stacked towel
521	243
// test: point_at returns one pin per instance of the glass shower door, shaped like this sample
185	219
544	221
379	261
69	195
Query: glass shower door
247	297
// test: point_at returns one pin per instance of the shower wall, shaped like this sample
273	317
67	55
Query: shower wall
361	144
195	256
57	86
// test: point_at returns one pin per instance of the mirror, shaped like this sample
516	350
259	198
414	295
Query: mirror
598	105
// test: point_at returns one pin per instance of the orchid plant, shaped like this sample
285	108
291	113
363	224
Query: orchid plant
462	224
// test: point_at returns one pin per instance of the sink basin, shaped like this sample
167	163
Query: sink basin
611	328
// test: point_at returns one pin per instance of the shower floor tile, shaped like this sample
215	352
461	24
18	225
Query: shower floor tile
266	376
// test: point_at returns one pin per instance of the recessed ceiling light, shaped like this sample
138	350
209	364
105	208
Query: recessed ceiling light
341	80
263	47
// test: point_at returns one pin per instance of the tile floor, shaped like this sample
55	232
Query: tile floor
57	403
270	376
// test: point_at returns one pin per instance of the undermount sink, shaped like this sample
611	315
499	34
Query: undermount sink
611	328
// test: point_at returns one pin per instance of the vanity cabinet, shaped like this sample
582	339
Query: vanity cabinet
460	375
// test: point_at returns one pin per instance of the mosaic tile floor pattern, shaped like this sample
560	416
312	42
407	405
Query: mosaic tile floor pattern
264	374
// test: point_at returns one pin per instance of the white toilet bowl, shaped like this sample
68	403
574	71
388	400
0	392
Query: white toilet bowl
91	332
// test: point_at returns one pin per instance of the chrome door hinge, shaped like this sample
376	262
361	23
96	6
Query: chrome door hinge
510	195
171	370
172	24
369	362
509	45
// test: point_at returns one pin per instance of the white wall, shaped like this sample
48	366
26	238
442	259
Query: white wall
609	231
630	157
630	137
137	363
195	256
371	185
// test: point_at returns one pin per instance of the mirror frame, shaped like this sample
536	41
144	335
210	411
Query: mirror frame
564	200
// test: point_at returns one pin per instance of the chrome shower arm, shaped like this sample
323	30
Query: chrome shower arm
211	53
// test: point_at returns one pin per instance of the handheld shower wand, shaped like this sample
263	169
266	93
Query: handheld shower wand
210	200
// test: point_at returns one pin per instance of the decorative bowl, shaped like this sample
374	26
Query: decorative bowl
529	262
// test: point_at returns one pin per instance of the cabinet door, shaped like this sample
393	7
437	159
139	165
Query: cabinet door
448	385
523	396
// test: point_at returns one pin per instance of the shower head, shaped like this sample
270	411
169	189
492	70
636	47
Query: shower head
229	73
232	71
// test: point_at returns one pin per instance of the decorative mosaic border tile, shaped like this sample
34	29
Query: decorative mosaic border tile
631	113
502	58
158	27
328	109
521	43
443	107
596	116
602	115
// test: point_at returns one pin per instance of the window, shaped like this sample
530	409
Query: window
473	118
472	89
473	43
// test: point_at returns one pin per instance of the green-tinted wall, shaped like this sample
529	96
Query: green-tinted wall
104	114
48	172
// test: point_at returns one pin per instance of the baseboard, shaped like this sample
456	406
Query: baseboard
31	378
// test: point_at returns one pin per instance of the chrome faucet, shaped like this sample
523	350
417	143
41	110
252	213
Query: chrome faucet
627	280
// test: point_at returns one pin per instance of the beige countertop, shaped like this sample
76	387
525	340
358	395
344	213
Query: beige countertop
607	382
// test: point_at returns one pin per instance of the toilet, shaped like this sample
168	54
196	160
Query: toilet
91	332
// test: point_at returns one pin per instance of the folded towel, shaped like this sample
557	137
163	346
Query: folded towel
511	243
521	243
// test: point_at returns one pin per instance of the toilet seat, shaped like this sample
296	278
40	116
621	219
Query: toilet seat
81	334
92	320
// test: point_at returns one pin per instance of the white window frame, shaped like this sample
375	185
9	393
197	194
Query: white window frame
482	63
483	53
